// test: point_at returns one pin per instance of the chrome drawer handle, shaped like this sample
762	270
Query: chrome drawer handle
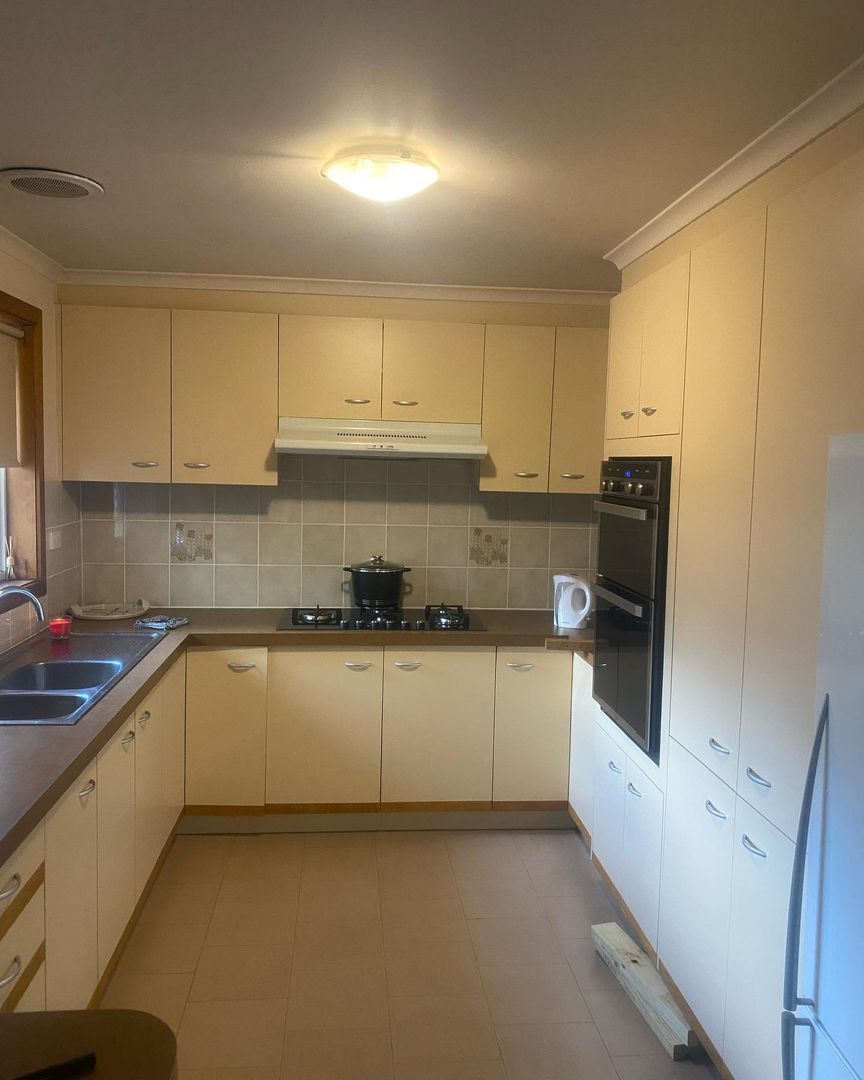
88	789
572	475
627	413
13	971
356	666
196	464
649	410
357	400
520	667
398	401
754	849
757	779
633	790
526	475
241	667
614	768
144	717
13	887
719	747
712	809
145	464
405	665
129	737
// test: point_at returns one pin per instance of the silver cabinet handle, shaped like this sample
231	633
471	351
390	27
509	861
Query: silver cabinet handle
649	410
145	464
405	665
620	602
13	887
127	738
357	400
13	971
354	665
526	475
719	747
754	849
520	667
401	401
572	475
144	717
196	464
88	789
633	790
627	413
615	768
713	811
241	667
757	779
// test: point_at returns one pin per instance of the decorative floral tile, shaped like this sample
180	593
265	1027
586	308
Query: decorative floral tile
192	542
488	546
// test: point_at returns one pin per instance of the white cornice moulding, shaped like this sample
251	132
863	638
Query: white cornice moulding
823	110
328	287
32	257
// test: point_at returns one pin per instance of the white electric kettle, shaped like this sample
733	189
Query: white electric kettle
572	601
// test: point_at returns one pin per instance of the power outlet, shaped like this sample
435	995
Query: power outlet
54	539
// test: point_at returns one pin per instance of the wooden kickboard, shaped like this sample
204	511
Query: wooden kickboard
646	989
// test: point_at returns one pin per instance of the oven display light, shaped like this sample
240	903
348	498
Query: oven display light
628	472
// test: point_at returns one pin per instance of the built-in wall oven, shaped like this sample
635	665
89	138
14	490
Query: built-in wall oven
630	607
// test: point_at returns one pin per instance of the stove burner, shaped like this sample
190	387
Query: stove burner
446	617
317	616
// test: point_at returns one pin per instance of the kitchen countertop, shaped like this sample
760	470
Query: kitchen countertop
38	763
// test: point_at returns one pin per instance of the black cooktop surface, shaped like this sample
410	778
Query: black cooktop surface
447	617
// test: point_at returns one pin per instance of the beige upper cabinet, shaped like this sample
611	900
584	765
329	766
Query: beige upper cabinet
577	409
225	373
664	341
625	360
116	393
432	371
330	367
517	407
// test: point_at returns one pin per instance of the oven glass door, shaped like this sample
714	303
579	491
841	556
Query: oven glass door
627	545
623	662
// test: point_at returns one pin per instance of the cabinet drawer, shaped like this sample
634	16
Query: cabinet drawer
20	867
643	837
18	948
607	839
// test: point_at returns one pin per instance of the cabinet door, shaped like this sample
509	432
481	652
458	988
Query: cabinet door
330	366
225	396
532	725
607	839
625	359
33	998
70	895
149	807
432	371
695	886
517	407
115	775
577	408
116	393
173	745
724	326
664	341
811	385
582	711
438	718
643	838
226	722
18	948
761	876
324	725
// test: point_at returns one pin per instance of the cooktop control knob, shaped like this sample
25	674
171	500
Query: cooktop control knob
420	624
344	624
406	625
628	487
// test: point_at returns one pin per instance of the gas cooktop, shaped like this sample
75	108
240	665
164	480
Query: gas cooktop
432	617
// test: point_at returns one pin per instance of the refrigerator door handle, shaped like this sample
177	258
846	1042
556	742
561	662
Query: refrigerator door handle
788	1023
791	1000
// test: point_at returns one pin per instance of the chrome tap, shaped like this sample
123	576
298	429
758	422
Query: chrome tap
17	590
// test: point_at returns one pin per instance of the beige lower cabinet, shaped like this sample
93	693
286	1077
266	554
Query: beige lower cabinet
20	867
33	998
19	947
70	895
583	710
439	706
115	776
149	813
643	839
226	722
324	725
532	725
607	836
173	744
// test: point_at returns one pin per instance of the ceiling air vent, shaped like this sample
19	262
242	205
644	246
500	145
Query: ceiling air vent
50	183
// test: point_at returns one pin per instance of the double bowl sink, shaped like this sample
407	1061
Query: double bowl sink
56	682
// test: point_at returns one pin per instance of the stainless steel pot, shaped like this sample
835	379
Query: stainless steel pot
376	583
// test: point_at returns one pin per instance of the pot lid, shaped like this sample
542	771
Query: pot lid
376	564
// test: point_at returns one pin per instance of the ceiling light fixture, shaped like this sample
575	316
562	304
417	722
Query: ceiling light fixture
381	174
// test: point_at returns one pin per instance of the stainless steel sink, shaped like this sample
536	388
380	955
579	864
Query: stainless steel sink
41	708
62	675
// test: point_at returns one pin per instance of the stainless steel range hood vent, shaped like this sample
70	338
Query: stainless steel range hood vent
377	438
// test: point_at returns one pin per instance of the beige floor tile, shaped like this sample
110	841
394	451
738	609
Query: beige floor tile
177	901
266	922
620	1024
549	843
419	918
659	1067
589	970
271	1073
432	968
533	994
162	995
231	1034
163	950
259	889
442	1028
409	839
483	897
554	1052
339	851
573	916
354	1054
242	973
287	848
490	853
197	858
329	998
340	943
264	867
428	880
331	896
518	940
561	876
451	1070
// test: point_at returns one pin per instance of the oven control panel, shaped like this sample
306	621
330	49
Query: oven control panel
632	479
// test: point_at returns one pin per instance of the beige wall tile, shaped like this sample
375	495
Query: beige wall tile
235	502
103	584
490	508
448	545
278	586
529	547
324	468
448	585
193	501
407	544
191	585
361	541
323	585
572	509
446	471
279	544
366	470
407	504
147	582
323	503
529	506
102	541
279	504
408	472
569	547
323	545
528	589
449	504
487	588
147	502
236	542
147	541
101	500
236	586
366	503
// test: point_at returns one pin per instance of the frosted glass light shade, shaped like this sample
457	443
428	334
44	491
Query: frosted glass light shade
381	175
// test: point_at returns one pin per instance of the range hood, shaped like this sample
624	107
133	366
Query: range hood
378	438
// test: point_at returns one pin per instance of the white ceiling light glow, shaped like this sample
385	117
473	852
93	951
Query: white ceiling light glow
382	175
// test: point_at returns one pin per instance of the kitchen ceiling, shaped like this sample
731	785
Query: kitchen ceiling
559	126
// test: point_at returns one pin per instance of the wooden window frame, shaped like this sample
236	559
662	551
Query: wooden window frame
25	485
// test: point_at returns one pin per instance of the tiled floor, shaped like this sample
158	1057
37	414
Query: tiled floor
388	956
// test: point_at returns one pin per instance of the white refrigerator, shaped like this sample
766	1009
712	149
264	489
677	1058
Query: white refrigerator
823	1020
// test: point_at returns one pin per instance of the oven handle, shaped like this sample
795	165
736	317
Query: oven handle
619	510
620	602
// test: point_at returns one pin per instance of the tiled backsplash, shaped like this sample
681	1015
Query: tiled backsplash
200	546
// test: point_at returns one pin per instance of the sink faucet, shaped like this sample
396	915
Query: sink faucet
17	590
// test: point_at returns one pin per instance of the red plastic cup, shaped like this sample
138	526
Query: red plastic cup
60	626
